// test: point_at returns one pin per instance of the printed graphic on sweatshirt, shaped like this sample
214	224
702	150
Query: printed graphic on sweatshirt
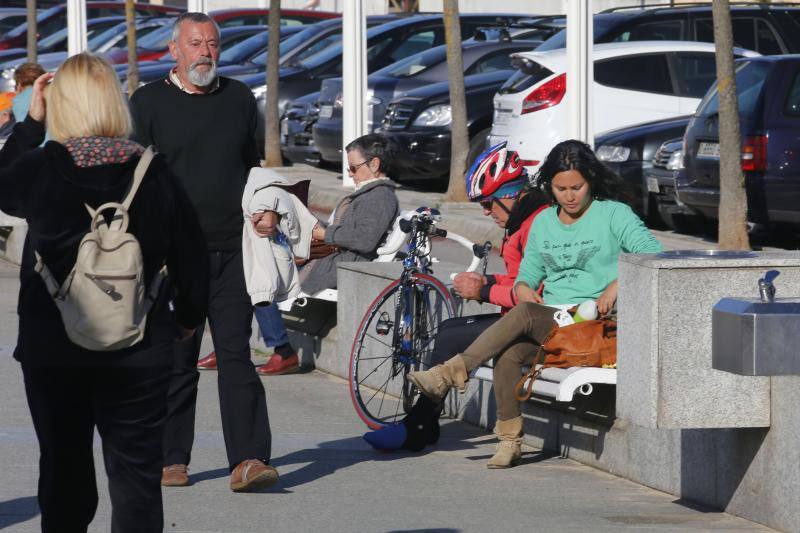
569	257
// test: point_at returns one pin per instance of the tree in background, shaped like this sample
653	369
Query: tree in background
272	144
459	141
133	56
33	53
732	192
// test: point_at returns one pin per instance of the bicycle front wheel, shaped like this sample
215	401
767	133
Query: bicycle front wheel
395	336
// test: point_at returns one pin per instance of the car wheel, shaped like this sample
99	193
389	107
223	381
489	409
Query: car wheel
477	145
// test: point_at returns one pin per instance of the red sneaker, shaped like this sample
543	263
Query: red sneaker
277	365
208	362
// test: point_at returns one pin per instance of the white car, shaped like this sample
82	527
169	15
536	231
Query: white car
634	82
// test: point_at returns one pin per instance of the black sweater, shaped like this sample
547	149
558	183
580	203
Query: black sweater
44	186
209	143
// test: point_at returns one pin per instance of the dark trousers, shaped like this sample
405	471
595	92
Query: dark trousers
128	407
456	334
243	404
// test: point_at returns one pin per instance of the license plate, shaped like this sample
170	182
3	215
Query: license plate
325	111
652	185
501	116
708	150
284	127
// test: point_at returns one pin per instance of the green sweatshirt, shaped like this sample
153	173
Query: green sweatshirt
578	261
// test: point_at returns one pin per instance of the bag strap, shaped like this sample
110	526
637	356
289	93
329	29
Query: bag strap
56	291
138	177
521	392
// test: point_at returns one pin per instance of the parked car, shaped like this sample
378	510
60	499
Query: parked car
418	123
533	29
769	114
227	18
633	152
313	39
297	140
415	71
11	17
53	19
634	82
386	44
233	54
767	29
666	171
100	43
155	45
57	42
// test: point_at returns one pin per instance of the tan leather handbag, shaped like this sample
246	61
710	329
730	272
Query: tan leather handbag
589	343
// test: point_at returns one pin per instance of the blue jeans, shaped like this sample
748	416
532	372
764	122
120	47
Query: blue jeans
270	322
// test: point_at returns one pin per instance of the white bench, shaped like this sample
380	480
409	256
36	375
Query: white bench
562	384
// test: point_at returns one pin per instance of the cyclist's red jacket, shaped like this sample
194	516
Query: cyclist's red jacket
500	289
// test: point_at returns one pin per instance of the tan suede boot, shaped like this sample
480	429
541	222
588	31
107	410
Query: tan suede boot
509	449
436	382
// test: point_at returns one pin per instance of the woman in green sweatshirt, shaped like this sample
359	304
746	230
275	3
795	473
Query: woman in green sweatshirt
572	249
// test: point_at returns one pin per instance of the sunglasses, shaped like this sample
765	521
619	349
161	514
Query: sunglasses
353	168
487	204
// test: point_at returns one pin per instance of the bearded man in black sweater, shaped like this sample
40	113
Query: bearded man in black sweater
205	126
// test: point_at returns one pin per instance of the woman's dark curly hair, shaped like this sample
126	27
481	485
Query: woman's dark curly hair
575	155
373	145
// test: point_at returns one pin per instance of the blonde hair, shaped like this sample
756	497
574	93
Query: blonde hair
85	99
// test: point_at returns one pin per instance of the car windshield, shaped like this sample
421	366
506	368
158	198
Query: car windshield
602	26
156	39
10	22
750	76
304	57
241	52
103	37
415	64
23	28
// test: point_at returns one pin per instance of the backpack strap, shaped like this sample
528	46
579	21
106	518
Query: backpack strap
138	176
56	291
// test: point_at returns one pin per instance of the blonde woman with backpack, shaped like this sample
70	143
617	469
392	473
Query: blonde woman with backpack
95	338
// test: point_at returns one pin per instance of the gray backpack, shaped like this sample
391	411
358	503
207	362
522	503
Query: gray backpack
102	301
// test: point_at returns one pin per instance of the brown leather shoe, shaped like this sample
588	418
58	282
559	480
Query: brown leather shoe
208	362
252	474
277	365
175	476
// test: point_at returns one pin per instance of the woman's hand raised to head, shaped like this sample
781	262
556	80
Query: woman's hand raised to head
38	108
607	300
526	294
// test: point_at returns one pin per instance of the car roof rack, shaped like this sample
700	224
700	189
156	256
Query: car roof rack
659	7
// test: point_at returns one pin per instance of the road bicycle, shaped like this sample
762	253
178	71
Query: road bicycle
397	332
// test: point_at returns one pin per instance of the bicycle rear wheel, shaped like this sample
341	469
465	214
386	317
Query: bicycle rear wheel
388	345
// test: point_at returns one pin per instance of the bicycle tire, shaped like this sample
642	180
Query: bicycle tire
400	392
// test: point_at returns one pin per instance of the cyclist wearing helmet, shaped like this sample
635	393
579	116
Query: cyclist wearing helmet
498	182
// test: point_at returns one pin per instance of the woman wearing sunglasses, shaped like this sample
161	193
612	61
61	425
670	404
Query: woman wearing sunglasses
498	182
361	220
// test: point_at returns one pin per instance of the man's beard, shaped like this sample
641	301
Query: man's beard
202	78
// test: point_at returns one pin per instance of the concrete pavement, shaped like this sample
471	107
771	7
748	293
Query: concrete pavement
332	481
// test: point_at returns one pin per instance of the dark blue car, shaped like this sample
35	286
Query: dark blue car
769	111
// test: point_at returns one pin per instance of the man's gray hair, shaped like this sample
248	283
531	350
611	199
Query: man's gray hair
194	18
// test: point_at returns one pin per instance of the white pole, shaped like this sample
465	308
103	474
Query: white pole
354	78
197	6
580	69
76	27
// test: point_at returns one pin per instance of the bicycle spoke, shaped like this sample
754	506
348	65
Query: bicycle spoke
378	340
379	390
373	371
